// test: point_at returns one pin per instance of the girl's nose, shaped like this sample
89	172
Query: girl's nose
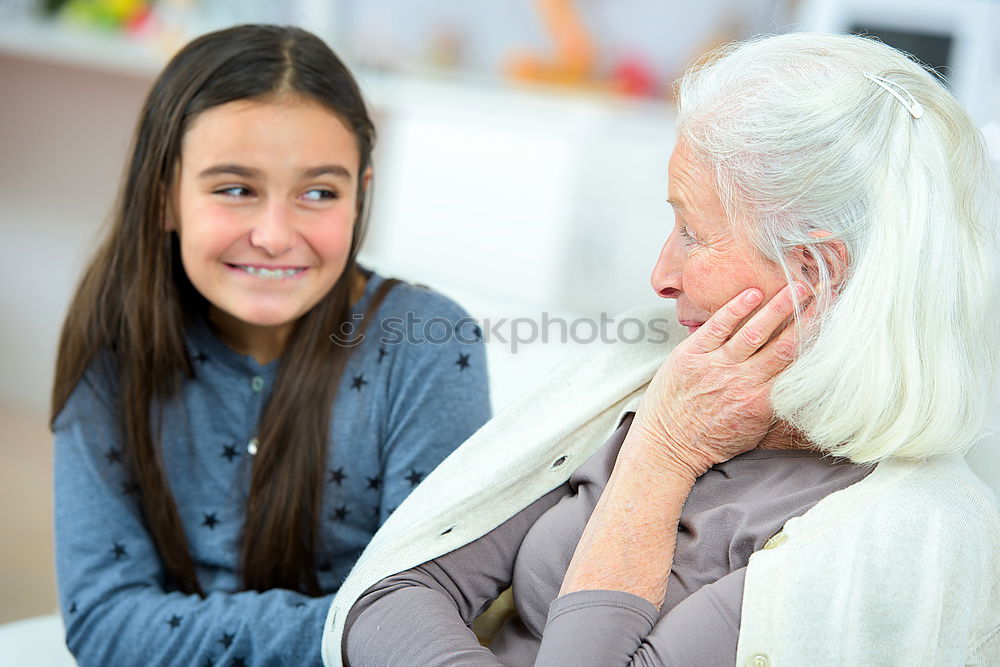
668	270
274	231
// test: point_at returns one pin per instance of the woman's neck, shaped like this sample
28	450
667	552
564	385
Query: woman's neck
783	436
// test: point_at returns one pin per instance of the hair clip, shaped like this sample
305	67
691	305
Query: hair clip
913	106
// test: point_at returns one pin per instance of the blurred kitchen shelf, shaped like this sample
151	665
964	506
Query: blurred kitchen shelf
65	45
58	44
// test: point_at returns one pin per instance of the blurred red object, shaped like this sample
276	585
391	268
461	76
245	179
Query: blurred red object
632	76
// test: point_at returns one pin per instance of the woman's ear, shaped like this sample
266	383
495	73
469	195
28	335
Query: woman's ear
833	253
366	179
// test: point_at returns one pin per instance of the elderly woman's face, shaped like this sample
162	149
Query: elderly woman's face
702	264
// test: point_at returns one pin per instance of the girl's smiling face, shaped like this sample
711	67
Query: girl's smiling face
264	206
702	264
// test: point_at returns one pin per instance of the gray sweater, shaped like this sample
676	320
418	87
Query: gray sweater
403	404
420	617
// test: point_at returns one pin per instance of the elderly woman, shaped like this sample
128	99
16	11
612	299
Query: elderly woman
788	488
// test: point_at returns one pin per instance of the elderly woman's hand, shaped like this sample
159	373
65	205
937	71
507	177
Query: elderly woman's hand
710	399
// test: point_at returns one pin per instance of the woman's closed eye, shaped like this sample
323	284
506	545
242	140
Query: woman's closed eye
686	236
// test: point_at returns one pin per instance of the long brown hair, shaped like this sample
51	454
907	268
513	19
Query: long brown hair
134	300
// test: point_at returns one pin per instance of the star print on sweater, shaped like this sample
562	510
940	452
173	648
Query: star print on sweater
392	421
463	362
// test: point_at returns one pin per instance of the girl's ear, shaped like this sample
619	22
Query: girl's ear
169	207
366	179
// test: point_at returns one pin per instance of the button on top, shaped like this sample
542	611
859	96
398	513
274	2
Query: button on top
759	661
252	446
776	540
257	383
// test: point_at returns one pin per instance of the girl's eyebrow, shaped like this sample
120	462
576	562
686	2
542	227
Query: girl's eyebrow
335	170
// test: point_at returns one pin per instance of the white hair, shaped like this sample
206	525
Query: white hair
901	359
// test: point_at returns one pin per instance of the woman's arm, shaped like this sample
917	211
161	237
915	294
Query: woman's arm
113	594
707	404
422	616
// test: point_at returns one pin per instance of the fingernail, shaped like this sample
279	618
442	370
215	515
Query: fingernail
752	298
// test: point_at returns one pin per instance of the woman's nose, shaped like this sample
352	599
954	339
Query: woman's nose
274	231
666	276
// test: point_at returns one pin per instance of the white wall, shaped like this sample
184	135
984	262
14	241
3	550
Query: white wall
63	135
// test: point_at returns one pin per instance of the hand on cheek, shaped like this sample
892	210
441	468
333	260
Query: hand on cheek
710	399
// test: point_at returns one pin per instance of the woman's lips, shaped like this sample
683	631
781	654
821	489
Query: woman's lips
692	325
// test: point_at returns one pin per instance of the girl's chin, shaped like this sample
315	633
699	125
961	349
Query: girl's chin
252	318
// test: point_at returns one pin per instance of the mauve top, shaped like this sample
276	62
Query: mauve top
421	616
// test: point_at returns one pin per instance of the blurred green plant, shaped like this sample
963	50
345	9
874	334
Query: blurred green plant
112	14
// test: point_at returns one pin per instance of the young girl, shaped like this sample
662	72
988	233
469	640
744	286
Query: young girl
232	424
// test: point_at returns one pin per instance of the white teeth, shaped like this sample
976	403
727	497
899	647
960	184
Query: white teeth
270	274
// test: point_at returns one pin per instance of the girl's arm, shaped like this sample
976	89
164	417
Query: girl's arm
439	393
114	599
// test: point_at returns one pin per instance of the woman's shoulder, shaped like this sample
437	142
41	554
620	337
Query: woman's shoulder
916	501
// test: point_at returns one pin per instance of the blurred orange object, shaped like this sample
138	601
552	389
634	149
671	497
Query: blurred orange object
575	53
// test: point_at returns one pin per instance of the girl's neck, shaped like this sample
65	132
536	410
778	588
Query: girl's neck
265	344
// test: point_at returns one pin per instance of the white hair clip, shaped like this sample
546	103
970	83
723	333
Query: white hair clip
913	106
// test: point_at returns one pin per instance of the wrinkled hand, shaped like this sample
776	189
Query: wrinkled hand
709	401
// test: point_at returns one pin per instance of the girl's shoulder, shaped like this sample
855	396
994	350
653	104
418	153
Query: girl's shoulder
402	297
96	393
398	311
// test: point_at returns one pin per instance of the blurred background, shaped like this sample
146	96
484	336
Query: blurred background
520	169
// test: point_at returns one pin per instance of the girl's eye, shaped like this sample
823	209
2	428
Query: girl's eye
235	191
319	194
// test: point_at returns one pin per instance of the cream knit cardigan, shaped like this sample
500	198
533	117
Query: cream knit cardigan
900	568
